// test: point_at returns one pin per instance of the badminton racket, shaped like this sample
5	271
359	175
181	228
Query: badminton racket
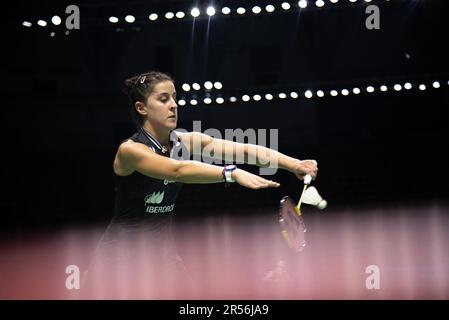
292	224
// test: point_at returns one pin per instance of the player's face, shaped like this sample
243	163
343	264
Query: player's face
161	106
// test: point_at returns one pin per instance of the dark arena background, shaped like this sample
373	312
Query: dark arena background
360	86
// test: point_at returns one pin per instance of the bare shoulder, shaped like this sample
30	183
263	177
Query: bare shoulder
130	148
127	153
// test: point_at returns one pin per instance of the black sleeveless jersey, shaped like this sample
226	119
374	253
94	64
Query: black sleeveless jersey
142	199
144	206
142	203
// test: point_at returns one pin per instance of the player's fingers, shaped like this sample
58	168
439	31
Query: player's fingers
263	184
312	170
259	179
269	183
301	176
257	186
273	184
311	164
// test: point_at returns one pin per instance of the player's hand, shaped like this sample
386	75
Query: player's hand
249	180
305	167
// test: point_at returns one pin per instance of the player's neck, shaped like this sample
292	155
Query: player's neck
162	136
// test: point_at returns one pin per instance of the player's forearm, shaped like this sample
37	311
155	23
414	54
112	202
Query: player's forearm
198	172
250	154
266	157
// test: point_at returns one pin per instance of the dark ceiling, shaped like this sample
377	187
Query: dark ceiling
312	47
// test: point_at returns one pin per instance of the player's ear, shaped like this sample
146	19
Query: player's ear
141	108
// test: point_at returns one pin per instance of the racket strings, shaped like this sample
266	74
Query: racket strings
292	225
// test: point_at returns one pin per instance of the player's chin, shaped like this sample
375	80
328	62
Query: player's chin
171	123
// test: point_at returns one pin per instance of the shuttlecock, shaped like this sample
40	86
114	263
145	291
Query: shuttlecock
322	205
312	197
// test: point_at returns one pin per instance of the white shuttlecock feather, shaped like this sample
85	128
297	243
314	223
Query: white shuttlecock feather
312	197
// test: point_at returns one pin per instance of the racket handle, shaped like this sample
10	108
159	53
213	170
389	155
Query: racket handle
307	179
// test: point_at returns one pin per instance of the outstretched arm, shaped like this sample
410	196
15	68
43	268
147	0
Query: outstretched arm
248	153
133	156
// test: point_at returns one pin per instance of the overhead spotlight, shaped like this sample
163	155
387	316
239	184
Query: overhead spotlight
153	16
370	89
334	1
42	23
356	90
408	86
383	88
218	85
308	94
397	87
320	93
319	3
269	96
186	87
219	100
345	92
130	19
436	84
352	0
196	86
195	12
208	85
334	93
285	5
233	99
257	97
241	10
169	15
181	102
257	9
27	24
56	20
367	0
210	11
226	10
269	8
302	4
246	98
193	102
282	95
207	100
294	95
422	87
113	19
180	14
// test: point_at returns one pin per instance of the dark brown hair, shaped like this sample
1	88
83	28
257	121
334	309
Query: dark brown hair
139	87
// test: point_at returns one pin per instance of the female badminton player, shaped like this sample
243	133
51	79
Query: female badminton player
149	175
